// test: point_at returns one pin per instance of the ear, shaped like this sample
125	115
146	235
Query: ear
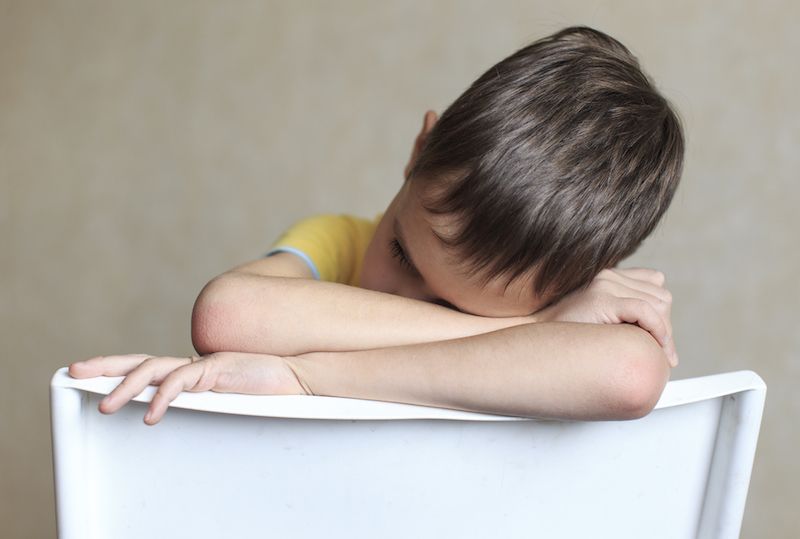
428	122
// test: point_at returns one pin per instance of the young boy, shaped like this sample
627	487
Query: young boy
486	284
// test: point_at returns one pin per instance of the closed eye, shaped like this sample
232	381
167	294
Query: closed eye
400	255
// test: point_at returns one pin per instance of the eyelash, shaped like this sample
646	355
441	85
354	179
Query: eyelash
399	254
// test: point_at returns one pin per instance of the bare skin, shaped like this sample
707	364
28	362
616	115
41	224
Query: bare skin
420	333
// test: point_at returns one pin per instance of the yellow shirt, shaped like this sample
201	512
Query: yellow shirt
332	245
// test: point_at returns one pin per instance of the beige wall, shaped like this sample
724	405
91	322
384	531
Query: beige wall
146	147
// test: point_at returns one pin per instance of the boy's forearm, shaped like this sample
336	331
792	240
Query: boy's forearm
547	370
288	316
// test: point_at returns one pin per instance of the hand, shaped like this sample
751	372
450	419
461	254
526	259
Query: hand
635	295
224	372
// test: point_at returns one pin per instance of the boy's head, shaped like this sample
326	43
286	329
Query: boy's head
555	164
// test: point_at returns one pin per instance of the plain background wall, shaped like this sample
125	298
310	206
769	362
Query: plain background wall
146	147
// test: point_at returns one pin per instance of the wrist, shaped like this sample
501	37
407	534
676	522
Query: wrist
302	370
332	374
377	374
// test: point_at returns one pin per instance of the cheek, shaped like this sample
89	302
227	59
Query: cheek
377	272
381	272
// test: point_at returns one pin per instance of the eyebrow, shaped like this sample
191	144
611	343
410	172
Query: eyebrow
399	236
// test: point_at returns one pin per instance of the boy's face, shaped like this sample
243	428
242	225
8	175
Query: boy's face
406	258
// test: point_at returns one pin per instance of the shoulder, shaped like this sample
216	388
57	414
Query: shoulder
331	244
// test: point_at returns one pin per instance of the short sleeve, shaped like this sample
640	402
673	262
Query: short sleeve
332	245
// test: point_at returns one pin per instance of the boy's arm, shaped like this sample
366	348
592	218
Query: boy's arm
274	306
546	370
352	342
552	370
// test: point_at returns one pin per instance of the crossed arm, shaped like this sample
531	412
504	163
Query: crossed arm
267	327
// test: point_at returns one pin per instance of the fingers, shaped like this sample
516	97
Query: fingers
150	371
185	378
107	365
644	274
648	285
172	374
222	372
659	299
640	312
644	285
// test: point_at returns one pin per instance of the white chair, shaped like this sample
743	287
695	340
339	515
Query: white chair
239	466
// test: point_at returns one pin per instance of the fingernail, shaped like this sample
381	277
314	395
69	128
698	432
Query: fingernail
148	416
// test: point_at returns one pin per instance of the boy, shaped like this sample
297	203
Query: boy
486	284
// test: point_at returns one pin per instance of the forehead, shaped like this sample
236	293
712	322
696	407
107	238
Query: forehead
444	273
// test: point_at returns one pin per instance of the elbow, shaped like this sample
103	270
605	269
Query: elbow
213	317
642	376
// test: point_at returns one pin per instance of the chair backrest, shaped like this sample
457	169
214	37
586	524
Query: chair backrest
224	465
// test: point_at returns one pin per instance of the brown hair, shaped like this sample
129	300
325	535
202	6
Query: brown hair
562	157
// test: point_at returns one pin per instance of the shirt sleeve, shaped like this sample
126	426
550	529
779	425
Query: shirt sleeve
333	246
